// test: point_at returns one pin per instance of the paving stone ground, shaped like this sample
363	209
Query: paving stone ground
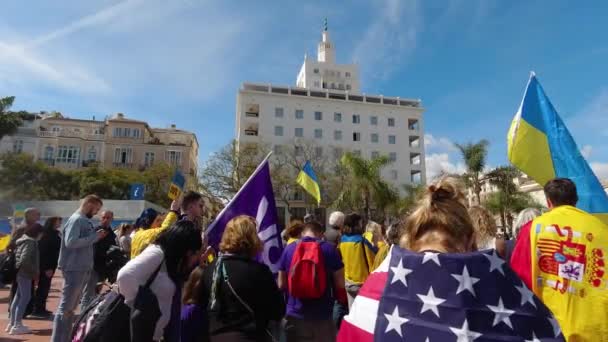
41	329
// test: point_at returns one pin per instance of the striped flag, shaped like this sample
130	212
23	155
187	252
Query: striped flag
308	180
434	297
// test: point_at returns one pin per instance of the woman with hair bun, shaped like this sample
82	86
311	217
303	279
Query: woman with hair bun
436	283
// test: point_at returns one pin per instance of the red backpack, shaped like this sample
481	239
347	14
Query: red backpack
307	277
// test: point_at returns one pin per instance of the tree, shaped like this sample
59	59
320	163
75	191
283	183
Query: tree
508	199
366	184
228	169
474	156
9	121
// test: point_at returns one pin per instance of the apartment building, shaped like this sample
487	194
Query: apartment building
116	142
327	108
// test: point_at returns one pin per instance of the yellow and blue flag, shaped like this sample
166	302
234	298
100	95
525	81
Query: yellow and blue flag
5	233
540	145
308	180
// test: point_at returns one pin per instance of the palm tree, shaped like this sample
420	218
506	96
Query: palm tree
9	121
474	157
508	199
366	184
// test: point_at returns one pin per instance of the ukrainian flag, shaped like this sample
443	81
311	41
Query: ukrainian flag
540	145
308	180
5	234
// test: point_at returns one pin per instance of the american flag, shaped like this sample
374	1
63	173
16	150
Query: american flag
432	297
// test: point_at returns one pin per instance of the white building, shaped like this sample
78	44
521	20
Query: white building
327	108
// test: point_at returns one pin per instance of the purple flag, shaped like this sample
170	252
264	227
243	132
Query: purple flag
256	199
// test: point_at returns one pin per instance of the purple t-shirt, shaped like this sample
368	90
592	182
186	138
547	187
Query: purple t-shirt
313	309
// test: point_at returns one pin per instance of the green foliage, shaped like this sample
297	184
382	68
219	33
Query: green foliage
365	187
24	179
9	121
474	156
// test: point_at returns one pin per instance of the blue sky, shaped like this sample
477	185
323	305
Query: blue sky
182	61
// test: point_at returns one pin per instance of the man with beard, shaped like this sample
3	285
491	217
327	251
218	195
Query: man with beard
76	263
100	271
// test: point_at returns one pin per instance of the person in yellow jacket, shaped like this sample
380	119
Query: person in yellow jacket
192	206
562	256
357	255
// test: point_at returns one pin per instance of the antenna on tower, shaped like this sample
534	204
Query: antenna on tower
325	25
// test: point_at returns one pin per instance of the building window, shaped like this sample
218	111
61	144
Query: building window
56	129
347	74
373	120
338	135
356	136
333	86
341	86
391	122
126	132
298	150
375	154
392	156
338	153
318	133
299	114
17	146
348	87
392	139
299	132
68	154
174	158
149	158
394	174
49	153
318	151
278	112
278	150
318	116
92	154
374	138
123	155
332	73
357	153
338	73
317	84
356	119
316	70
278	131
337	117
135	132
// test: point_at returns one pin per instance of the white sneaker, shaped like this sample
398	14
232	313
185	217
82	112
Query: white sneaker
8	328
19	330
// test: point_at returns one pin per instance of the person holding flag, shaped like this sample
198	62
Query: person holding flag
561	255
308	180
436	287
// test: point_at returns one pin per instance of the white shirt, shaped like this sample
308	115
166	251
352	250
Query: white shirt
137	271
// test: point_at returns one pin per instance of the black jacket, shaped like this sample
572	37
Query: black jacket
48	247
256	286
101	249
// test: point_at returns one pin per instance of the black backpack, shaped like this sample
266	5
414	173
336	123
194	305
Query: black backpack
8	268
106	318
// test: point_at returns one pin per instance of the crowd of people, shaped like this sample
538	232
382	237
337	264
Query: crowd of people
195	293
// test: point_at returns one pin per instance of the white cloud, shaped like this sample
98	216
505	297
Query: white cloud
586	151
439	143
600	170
438	163
390	38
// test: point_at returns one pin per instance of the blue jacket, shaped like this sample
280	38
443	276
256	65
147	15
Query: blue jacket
76	252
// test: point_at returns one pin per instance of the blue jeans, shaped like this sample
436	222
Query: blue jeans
73	284
90	290
21	300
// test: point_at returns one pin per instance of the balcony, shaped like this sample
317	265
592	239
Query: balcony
70	134
123	165
414	142
49	162
252	111
413	125
252	115
48	134
252	132
90	163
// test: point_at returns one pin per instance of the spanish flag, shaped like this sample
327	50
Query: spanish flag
540	145
308	180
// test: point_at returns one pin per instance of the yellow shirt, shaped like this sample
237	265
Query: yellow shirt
144	237
291	240
358	257
569	254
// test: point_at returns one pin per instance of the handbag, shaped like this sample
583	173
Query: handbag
146	311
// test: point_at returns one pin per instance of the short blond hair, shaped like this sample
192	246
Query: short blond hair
92	199
484	225
241	237
441	209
